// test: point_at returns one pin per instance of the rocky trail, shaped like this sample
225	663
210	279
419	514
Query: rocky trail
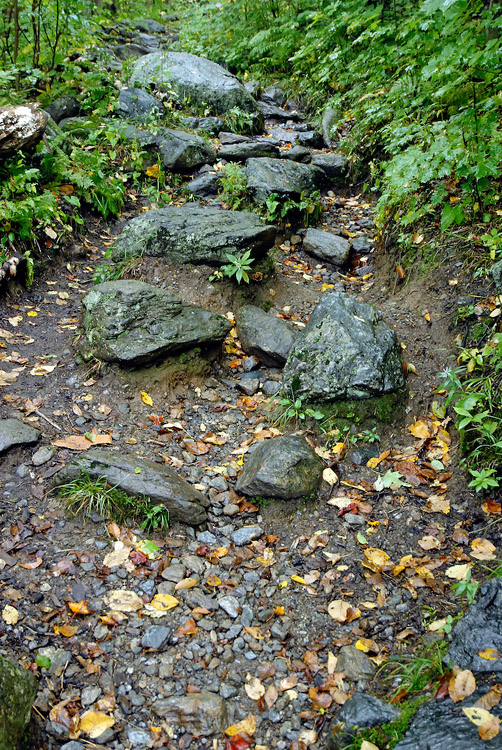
301	555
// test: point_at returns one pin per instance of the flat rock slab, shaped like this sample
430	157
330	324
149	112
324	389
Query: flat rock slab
264	335
243	151
200	80
194	234
346	351
284	178
157	481
203	713
326	246
441	724
284	467
334	166
14	432
479	629
178	149
18	689
133	323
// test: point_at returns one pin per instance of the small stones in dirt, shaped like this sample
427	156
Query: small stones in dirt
285	178
42	455
326	246
133	323
13	432
203	713
266	336
157	481
345	351
284	467
361	711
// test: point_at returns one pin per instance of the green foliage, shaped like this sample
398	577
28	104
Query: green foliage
466	588
234	186
238	266
418	671
291	408
85	496
310	207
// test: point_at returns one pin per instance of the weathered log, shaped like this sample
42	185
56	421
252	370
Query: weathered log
21	126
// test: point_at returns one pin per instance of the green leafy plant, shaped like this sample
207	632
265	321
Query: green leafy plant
310	207
234	185
389	479
84	496
238	266
467	588
286	409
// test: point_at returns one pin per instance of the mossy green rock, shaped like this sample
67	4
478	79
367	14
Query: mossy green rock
194	234
18	689
284	467
133	323
346	351
177	149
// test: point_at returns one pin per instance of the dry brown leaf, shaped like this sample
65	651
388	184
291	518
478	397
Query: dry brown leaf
68	631
461	685
94	723
246	726
489	730
490	654
82	442
458	572
367	745
271	695
287	683
254	688
10	615
123	601
429	542
438	504
343	611
377	557
420	429
482	549
118	556
491	698
186	583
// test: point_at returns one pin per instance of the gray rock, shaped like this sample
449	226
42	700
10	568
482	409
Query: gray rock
227	138
138	104
205	185
194	234
329	118
284	467
245	534
150	26
284	178
271	387
297	153
78	126
249	383
361	711
72	745
345	351
268	337
43	455
203	713
479	629
90	695
354	663
18	689
230	605
54	729
130	51
334	166
133	323
157	481
178	149
243	151
174	573
21	126
156	637
326	246
273	112
207	124
14	432
253	87
360	244
440	724
310	139
63	106
497	275
274	95
139	737
199	80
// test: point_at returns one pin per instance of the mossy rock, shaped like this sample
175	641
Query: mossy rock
18	689
385	408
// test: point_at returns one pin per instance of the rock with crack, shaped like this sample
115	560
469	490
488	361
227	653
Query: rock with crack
203	713
264	335
284	467
361	711
138	104
21	126
346	351
18	689
197	79
326	246
157	481
13	432
194	234
284	178
133	323
177	149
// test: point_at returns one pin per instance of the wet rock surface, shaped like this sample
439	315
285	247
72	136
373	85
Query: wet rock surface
177	149
327	246
18	689
361	711
14	432
284	178
264	335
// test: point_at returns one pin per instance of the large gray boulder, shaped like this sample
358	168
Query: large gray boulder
194	234
63	107
284	178
201	81
334	166
284	467
346	351
21	126
157	481
133	323
13	432
264	335
18	689
326	246
138	104
243	151
178	149
203	713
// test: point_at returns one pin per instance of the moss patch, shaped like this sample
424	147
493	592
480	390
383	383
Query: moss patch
385	408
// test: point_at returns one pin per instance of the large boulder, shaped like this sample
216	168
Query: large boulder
346	351
178	149
21	126
203	713
264	335
284	467
133	323
159	482
63	107
138	104
243	151
284	178
18	689
194	234
326	246
201	81
334	166
13	432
